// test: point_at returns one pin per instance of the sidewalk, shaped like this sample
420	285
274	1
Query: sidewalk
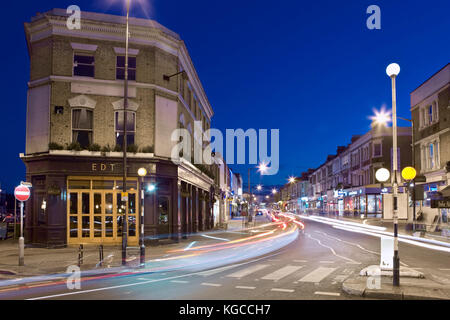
411	288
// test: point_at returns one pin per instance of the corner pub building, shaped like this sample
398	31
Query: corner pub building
75	124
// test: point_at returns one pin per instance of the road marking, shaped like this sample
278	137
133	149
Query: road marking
247	271
218	270
445	269
332	250
216	238
300	261
281	273
335	294
179	281
282	290
326	261
245	288
211	284
317	275
190	245
353	262
131	284
274	260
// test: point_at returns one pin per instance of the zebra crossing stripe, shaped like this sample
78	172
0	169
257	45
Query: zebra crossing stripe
247	271
281	273
317	275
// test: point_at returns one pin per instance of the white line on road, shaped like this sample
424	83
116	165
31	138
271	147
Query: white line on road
335	294
282	290
326	261
317	275
245	288
211	284
247	271
332	250
216	238
179	281
445	269
281	273
132	284
300	261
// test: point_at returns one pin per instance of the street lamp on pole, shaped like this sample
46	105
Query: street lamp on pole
382	118
392	71
124	144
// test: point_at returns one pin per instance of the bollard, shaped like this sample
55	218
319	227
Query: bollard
100	249
80	255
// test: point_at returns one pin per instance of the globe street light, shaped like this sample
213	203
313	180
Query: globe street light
382	175
392	71
142	172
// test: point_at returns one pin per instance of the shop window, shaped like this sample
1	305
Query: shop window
163	210
82	125
119	127
79	184
120	68
73	226
73	203
83	65
103	184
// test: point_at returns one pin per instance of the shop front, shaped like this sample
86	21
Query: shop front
79	200
363	202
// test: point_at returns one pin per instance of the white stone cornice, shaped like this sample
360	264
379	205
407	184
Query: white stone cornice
132	106
82	101
84	47
131	52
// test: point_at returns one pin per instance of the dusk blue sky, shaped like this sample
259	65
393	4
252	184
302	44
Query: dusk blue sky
309	68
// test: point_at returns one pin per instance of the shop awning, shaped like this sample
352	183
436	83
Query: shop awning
445	192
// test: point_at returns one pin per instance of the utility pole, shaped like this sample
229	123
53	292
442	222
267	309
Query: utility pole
124	147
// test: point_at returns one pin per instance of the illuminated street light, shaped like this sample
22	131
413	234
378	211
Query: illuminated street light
259	188
382	175
381	117
274	191
291	180
262	167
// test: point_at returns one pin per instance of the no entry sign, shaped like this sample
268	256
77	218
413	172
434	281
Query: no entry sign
22	193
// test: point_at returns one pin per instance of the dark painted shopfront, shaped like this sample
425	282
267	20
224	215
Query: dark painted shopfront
77	200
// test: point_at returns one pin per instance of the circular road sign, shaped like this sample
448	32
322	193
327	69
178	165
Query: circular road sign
409	173
22	193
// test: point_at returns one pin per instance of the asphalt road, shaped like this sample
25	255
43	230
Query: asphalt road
313	266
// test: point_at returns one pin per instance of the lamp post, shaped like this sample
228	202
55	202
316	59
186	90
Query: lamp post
261	168
383	118
124	144
142	172
392	71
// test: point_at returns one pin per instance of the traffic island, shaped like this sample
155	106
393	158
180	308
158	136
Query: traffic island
373	284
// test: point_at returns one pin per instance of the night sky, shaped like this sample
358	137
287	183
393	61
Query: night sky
309	68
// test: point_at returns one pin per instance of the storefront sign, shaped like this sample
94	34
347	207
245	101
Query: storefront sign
103	167
441	204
